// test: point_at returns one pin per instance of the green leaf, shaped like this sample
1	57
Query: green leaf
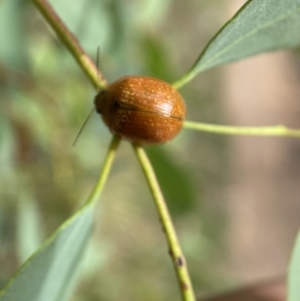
259	26
48	274
294	273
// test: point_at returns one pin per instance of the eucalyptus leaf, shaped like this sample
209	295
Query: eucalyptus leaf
49	273
259	26
294	273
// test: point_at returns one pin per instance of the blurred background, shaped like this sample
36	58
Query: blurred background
235	201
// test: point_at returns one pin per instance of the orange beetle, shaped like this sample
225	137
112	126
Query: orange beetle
141	109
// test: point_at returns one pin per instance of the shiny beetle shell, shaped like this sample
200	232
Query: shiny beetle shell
141	109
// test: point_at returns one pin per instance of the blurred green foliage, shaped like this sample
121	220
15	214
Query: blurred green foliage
44	98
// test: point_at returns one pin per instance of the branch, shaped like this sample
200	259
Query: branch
70	41
181	269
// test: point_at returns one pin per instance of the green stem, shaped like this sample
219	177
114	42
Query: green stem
175	251
98	80
70	41
184	79
94	195
278	130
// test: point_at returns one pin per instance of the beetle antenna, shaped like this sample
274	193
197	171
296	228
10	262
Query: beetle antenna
82	127
98	90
